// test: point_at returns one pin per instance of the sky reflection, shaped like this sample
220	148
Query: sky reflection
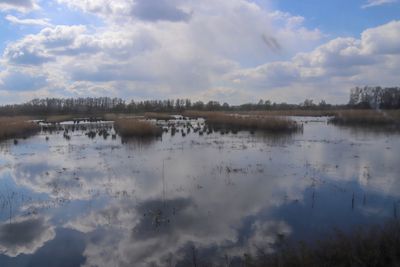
217	195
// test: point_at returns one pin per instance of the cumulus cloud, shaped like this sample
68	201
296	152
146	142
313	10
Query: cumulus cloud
233	51
44	46
147	10
32	22
374	3
155	10
147	54
341	61
19	5
21	81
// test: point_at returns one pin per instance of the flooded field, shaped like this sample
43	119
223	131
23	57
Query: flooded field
188	199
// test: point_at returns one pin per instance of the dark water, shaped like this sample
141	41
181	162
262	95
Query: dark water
97	202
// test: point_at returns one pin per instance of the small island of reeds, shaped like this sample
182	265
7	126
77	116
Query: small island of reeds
130	127
366	118
235	122
17	127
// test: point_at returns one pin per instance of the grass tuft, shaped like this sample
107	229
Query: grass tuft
158	116
223	121
365	118
366	246
136	128
17	127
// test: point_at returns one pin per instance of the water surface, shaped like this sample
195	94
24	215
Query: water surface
104	202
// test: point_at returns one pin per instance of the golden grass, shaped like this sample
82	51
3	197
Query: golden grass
17	127
218	120
294	113
366	118
157	116
200	114
59	118
136	128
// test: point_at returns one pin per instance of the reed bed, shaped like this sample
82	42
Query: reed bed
158	116
59	118
366	118
17	127
293	113
200	114
219	121
136	128
368	246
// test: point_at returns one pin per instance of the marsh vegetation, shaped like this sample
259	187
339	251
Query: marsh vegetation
17	127
136	128
215	190
377	245
252	123
368	118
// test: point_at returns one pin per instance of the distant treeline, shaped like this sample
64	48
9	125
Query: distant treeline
367	97
375	97
102	105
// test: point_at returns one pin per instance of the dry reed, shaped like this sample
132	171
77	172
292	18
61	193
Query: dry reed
366	246
17	127
157	116
136	128
217	121
365	118
294	113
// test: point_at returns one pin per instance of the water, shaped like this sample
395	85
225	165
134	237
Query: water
172	201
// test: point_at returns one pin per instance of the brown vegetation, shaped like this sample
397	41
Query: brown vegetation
17	127
366	118
200	114
136	128
157	116
374	246
293	112
59	118
217	121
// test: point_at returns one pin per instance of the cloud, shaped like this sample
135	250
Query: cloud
19	5
374	3
233	51
30	22
24	235
382	40
341	62
146	10
21	81
43	47
155	10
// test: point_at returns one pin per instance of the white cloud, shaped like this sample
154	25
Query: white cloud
166	56
19	81
233	51
374	3
147	10
34	22
333	67
19	5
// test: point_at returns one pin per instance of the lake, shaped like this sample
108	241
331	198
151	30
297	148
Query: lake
180	199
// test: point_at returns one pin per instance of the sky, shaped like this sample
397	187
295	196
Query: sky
233	51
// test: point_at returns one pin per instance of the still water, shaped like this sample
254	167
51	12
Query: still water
103	202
